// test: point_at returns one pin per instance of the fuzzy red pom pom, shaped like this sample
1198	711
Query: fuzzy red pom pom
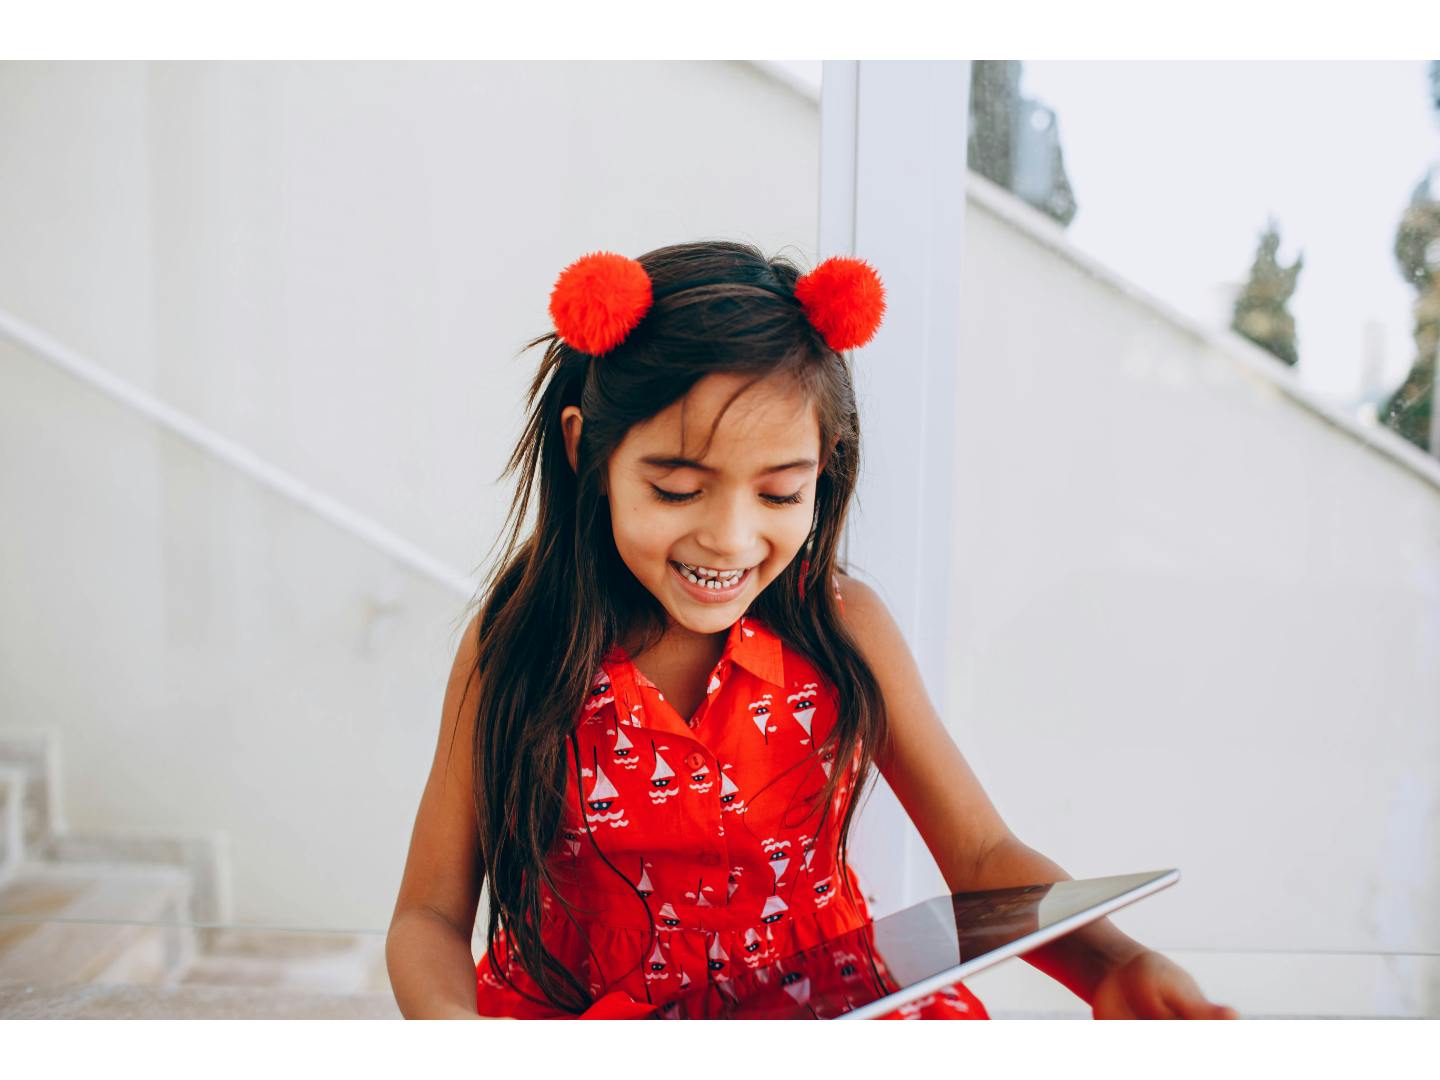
598	299
844	300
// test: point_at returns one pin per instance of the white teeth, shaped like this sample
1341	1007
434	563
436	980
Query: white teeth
707	578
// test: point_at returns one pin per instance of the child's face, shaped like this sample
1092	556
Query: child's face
735	516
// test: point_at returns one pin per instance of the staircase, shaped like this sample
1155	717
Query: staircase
135	924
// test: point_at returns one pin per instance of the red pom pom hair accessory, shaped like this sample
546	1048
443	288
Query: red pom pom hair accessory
599	298
844	300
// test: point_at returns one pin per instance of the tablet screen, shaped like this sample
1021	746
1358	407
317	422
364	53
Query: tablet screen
900	957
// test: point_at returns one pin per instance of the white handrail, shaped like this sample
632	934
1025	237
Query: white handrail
235	455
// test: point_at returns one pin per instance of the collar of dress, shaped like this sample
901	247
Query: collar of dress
751	645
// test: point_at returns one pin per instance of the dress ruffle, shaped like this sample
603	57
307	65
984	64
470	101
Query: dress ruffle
667	967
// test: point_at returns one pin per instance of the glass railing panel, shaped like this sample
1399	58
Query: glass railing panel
1194	587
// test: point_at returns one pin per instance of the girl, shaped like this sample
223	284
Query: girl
659	721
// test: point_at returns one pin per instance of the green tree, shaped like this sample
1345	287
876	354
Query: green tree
1260	310
1014	141
1417	249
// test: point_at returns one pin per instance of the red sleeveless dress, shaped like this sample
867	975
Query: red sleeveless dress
688	851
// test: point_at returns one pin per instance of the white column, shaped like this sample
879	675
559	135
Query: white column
892	191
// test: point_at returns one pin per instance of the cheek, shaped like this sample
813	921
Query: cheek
640	533
797	523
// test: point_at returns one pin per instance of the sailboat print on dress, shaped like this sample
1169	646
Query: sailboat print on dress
717	960
698	897
807	845
601	798
778	857
666	919
847	965
662	780
643	886
701	780
624	750
797	985
601	693
774	910
824	890
657	964
760	714
731	801
570	837
802	707
750	947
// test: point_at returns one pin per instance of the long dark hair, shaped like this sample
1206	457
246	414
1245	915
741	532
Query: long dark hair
555	602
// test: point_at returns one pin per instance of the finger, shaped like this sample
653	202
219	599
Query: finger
1187	1003
1149	1007
1113	1005
1198	1008
1166	1011
1152	1004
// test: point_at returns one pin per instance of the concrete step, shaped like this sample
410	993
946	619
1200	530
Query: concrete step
205	858
336	963
69	923
118	1002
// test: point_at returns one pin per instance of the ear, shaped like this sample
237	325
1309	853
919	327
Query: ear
571	422
825	455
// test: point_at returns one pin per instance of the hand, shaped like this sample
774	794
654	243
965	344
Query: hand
1149	986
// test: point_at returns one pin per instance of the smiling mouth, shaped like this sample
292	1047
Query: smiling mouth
711	581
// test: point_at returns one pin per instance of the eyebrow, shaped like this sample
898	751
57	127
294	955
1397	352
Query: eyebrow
664	462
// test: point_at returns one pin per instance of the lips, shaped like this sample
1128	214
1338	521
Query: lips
703	594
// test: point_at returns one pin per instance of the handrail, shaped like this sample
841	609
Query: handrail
233	454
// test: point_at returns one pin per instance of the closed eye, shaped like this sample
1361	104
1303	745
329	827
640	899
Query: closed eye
686	496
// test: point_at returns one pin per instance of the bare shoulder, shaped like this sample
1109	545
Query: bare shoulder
869	621
880	641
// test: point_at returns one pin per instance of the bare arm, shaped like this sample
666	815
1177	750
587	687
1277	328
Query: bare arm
969	841
432	973
1081	958
923	766
427	950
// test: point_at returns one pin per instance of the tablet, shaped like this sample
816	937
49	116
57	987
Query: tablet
902	957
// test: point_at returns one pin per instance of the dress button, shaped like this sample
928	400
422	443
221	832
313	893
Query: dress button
694	760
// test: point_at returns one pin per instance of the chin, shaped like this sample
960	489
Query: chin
707	623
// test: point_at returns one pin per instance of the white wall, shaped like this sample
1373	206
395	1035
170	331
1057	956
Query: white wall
334	265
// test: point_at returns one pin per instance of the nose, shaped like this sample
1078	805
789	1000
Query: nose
728	531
